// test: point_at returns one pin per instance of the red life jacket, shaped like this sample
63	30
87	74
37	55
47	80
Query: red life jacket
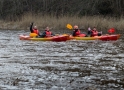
94	33
82	35
48	34
36	31
77	33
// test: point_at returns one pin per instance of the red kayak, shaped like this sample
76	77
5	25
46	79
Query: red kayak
66	37
58	38
107	37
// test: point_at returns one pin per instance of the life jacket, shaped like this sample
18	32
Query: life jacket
76	32
79	34
82	35
94	33
48	33
36	31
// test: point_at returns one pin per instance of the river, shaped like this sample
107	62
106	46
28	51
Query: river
70	65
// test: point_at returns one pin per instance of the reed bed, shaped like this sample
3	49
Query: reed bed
102	23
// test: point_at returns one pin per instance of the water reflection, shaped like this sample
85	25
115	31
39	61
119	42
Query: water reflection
71	65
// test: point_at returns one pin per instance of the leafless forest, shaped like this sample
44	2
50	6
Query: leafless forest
104	14
14	9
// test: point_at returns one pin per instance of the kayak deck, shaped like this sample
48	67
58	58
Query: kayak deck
58	38
103	37
85	38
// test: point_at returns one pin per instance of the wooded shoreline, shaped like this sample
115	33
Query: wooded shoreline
103	14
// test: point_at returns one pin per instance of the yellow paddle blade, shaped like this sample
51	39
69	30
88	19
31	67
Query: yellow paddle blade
33	35
69	26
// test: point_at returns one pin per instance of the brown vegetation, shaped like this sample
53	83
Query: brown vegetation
18	14
102	23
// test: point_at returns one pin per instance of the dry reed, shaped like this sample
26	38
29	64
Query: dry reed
102	23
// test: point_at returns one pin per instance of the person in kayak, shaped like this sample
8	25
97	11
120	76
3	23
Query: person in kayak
77	32
89	31
47	33
94	32
34	30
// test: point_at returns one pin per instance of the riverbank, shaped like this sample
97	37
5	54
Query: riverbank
60	23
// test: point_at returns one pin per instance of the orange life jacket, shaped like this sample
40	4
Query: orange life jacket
82	35
48	34
36	31
77	33
94	33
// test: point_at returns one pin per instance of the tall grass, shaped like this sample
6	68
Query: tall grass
102	23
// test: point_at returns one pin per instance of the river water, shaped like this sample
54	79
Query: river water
70	65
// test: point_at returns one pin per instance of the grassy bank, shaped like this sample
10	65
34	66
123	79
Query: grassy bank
60	23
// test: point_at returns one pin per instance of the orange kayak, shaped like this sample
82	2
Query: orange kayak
103	37
58	38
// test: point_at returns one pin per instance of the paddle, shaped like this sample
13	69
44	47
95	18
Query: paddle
69	26
33	35
111	30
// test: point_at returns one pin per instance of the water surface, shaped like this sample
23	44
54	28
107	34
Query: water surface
71	65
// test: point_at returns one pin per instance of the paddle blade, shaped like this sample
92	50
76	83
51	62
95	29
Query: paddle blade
69	26
33	35
111	30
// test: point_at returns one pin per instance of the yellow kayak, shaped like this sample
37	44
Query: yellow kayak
103	37
57	38
83	38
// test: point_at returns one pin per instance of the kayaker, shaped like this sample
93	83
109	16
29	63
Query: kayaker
77	32
94	32
47	33
34	29
89	31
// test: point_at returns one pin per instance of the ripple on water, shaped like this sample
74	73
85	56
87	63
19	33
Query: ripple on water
71	65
